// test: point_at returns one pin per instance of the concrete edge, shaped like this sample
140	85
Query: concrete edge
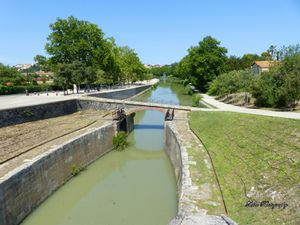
186	214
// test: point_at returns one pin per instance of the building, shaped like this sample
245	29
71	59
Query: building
22	66
149	66
262	66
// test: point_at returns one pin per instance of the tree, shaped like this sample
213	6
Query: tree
42	62
288	51
63	76
248	59
272	52
290	67
291	89
204	62
81	47
168	70
234	63
76	40
183	69
89	57
130	65
10	75
75	73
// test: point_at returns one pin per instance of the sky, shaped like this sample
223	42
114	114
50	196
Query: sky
160	31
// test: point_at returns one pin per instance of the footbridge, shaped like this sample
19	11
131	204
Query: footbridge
123	108
134	106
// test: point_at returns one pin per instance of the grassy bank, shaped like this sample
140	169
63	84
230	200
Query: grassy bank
257	159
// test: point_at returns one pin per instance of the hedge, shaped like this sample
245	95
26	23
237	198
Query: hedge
4	90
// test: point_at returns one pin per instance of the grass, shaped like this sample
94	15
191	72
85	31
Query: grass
202	175
256	158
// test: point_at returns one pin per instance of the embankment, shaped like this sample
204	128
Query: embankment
187	210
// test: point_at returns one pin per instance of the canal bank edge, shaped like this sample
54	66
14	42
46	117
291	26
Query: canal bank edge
25	188
187	211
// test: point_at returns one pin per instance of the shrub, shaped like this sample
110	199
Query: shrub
266	90
120	141
14	89
196	99
188	90
278	88
232	82
74	170
291	89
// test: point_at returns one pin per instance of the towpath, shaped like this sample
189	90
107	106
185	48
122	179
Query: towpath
232	108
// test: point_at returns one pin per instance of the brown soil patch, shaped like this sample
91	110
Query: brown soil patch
27	140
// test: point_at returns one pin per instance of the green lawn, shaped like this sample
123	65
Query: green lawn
256	158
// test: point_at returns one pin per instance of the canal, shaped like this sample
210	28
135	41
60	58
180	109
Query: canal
167	92
135	187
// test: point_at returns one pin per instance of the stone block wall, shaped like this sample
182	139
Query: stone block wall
173	149
83	104
22	190
36	112
121	94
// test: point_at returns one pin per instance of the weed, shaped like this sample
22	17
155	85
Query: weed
120	141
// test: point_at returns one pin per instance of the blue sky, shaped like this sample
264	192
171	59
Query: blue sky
160	31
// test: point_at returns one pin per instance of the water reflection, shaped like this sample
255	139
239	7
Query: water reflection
148	126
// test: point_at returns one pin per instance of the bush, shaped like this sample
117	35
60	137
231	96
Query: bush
188	90
232	82
14	89
196	98
281	86
120	141
291	89
74	170
266	90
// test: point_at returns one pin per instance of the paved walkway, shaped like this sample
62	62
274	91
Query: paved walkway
232	108
19	100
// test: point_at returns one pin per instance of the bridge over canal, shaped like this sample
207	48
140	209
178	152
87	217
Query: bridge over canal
134	106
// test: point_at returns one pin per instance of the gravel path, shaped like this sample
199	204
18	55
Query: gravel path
232	108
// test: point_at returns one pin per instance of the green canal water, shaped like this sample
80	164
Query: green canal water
133	187
168	93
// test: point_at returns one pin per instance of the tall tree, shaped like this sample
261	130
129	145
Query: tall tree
76	40
130	65
80	46
204	62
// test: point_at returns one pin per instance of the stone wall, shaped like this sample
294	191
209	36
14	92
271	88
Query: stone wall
84	104
173	149
121	94
36	112
44	111
22	190
48	110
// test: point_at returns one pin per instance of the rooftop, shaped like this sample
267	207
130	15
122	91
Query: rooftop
265	64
